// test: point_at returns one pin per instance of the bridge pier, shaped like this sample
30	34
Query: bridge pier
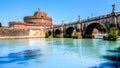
79	35
88	36
61	35
76	34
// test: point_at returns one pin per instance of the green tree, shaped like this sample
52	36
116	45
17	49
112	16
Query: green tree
100	27
46	35
113	34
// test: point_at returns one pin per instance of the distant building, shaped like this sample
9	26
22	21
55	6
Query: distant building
38	20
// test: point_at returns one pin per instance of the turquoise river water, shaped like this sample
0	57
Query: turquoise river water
54	53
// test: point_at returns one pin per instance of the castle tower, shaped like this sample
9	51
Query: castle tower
39	18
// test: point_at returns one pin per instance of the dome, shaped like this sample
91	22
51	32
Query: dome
40	14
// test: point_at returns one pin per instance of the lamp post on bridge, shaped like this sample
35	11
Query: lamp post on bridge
80	27
62	29
52	30
114	15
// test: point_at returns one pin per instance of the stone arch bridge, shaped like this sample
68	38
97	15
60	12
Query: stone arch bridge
84	28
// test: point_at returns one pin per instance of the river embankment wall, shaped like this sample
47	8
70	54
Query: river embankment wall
21	33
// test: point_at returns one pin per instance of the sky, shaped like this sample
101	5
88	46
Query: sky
58	10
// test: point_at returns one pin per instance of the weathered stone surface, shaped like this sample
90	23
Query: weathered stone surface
14	32
8	32
37	33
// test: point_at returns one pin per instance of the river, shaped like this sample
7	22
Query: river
54	52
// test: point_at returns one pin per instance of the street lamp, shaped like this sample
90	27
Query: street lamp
80	27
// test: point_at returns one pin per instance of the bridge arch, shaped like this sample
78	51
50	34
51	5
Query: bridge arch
49	33
57	33
68	32
89	29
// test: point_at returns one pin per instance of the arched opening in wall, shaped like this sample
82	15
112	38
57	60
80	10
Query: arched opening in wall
49	33
57	33
95	29
68	32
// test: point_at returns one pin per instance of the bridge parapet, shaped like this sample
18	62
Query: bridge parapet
57	26
97	18
88	20
71	23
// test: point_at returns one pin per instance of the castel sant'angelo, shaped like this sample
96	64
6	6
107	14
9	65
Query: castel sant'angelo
33	26
38	20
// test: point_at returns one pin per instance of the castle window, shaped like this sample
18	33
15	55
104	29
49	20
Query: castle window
42	16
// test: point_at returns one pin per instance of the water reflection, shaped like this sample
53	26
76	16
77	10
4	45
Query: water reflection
20	56
113	59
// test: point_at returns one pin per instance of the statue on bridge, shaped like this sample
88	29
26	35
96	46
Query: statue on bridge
113	8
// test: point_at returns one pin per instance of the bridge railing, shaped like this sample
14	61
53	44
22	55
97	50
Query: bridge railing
57	26
89	19
98	17
71	23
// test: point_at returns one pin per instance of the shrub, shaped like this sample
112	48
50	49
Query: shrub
113	34
46	35
101	28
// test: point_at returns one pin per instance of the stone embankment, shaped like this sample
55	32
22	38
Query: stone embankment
21	33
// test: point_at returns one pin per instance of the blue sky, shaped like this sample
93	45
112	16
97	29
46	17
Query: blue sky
67	10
